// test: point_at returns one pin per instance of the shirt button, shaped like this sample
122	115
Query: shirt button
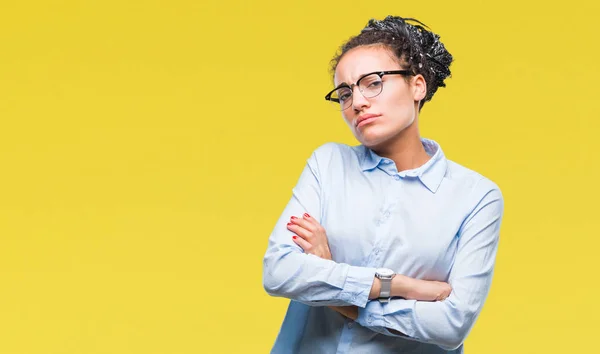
350	325
370	319
396	177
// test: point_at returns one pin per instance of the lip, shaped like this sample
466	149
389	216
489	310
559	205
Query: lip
366	118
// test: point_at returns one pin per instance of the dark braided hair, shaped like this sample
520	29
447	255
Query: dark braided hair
415	47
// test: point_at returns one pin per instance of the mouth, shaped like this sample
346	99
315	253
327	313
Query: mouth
366	119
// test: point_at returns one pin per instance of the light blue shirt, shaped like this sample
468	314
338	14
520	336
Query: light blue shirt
437	222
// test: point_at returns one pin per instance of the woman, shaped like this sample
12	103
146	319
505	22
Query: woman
385	247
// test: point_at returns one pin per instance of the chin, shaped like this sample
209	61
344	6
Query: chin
372	139
378	135
376	138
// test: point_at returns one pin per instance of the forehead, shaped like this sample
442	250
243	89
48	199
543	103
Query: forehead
361	60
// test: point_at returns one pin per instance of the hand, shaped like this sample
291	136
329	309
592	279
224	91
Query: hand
348	311
312	238
429	290
310	235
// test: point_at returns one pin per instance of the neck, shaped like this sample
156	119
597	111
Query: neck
406	149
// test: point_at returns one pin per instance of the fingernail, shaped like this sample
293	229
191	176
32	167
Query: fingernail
289	223
293	217
306	215
294	237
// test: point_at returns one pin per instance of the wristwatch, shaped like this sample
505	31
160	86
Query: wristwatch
385	275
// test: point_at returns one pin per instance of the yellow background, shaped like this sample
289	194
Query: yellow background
148	147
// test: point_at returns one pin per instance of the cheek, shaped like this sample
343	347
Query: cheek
398	106
348	119
401	97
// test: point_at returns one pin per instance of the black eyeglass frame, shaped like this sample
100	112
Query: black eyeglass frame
351	87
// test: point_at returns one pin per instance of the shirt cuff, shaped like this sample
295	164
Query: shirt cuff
374	316
357	287
371	315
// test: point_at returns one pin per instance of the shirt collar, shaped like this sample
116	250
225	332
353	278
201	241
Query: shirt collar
368	159
431	173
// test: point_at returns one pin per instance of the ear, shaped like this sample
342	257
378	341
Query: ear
419	87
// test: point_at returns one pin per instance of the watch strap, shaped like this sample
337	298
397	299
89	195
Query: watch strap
386	287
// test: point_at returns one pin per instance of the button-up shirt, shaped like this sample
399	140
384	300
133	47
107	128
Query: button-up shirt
439	221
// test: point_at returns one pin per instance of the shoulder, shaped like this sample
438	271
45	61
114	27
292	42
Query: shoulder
331	149
332	161
335	153
471	182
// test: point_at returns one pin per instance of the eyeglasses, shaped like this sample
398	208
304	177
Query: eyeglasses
369	85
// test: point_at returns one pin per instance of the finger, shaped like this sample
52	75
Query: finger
317	228
310	219
300	231
305	245
306	224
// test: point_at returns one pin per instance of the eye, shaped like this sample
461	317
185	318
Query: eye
374	84
344	94
370	80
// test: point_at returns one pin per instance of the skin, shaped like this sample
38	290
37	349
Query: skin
394	134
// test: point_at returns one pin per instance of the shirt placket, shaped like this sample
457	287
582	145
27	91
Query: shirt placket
382	227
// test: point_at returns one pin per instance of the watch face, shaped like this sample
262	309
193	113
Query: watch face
385	272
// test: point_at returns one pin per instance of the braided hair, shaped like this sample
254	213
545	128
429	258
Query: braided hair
415	47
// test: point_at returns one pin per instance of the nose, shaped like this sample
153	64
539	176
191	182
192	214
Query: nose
358	100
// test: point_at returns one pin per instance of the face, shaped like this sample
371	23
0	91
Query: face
380	120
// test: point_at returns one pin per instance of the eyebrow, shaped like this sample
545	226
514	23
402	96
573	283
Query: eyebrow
343	84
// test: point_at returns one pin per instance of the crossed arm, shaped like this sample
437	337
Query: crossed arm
313	278
312	238
316	281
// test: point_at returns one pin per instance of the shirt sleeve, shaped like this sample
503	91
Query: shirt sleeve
447	323
289	272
